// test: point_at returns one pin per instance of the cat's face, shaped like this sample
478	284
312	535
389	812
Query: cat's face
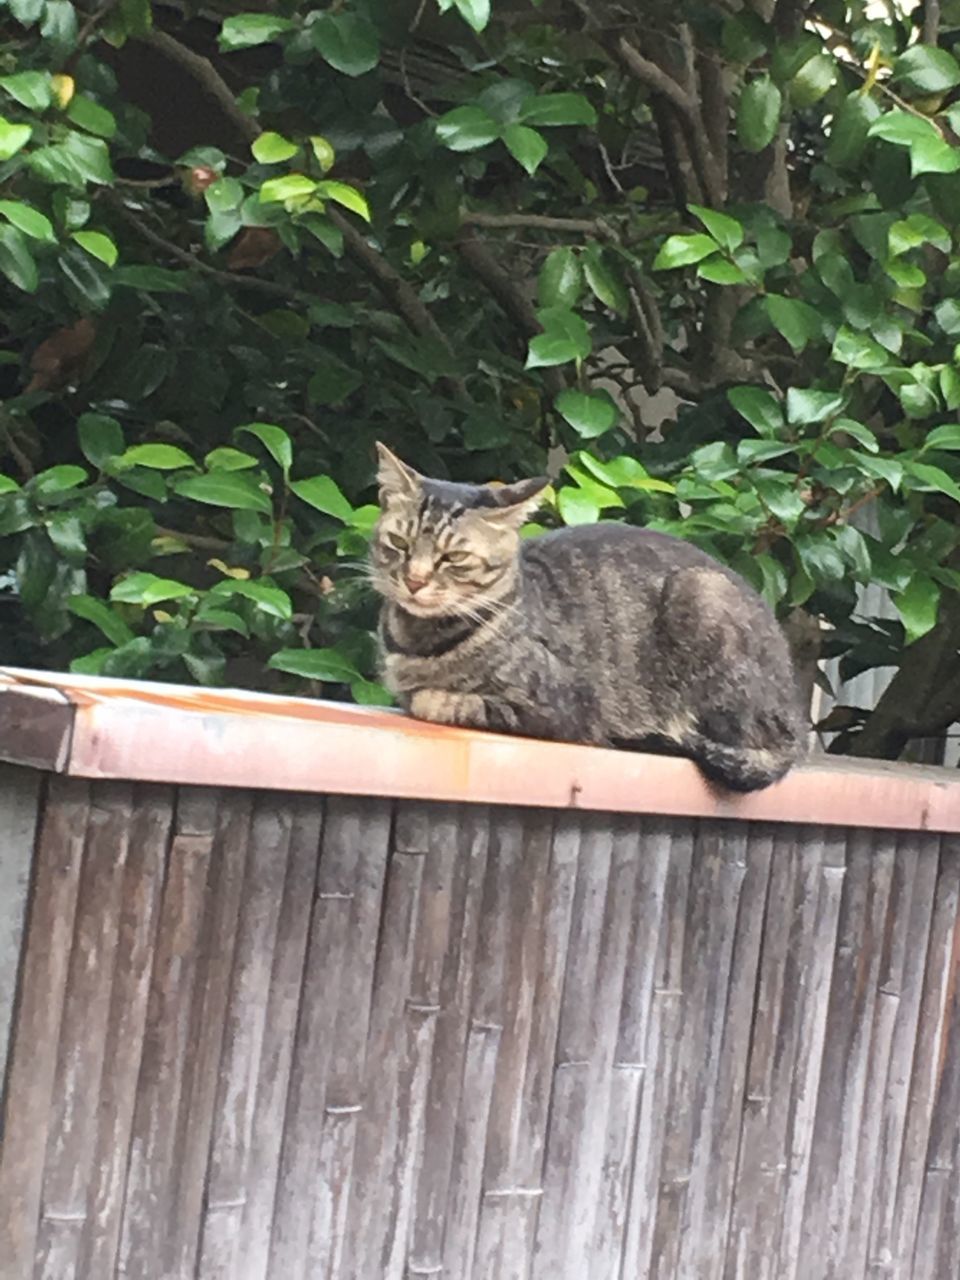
441	548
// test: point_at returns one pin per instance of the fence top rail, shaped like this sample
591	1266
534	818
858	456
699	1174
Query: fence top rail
92	727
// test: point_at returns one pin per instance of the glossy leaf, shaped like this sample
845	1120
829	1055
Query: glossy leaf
527	147
225	489
347	41
560	280
758	113
590	414
323	494
918	605
314	664
274	439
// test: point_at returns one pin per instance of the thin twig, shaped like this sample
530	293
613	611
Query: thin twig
254	283
207	76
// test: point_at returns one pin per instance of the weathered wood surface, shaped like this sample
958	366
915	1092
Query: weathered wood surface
282	1037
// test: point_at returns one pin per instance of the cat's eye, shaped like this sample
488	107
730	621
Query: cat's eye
395	541
456	557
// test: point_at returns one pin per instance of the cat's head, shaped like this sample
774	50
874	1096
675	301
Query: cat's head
442	548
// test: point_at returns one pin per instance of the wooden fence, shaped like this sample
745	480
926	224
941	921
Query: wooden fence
268	1031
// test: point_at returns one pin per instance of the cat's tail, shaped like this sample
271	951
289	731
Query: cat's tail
743	768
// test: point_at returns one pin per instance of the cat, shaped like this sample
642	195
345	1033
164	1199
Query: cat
605	634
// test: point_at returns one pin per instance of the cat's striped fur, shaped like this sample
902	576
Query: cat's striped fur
604	634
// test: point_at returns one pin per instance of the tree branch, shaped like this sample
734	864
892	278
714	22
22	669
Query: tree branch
656	78
512	300
207	76
255	284
539	222
392	285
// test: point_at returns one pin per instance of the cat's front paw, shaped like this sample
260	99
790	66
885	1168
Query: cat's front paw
441	707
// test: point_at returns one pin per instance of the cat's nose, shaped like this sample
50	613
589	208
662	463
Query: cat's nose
415	584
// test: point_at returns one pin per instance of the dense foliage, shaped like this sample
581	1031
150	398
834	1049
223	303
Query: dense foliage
241	248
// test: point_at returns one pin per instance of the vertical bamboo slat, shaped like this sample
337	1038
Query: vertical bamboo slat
287	1037
29	1096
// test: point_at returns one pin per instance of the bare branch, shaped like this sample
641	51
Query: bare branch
254	283
931	22
656	78
207	76
539	222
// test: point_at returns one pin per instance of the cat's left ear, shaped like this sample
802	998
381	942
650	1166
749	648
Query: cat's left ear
515	502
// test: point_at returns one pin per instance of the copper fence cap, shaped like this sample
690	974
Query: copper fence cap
92	727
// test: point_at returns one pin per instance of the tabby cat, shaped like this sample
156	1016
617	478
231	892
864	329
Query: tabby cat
604	634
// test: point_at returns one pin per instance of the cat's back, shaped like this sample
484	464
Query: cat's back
620	550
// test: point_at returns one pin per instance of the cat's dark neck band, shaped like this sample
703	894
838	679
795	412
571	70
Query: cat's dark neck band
431	637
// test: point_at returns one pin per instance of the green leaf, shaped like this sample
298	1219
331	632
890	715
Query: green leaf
903	128
88	157
950	387
323	494
272	148
918	400
226	195
751	451
243	30
577	507
66	533
815	78
565	337
467	129
681	251
560	279
917	229
476	12
918	606
101	438
348	42
227	459
851	129
152	279
718	271
343	194
158	457
526	146
91	116
30	221
948	316
590	415
102	616
13	137
888	469
26	12
603	280
314	664
797	321
858	350
790	55
288	187
760	408
98	244
323	151
946	437
857	431
275	440
212	619
923	70
809	406
16	260
7	485
558	109
727	231
30	88
758	113
225	489
268	598
934	478
332	381
370	694
147	589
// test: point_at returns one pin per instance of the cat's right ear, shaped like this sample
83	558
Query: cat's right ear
394	477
